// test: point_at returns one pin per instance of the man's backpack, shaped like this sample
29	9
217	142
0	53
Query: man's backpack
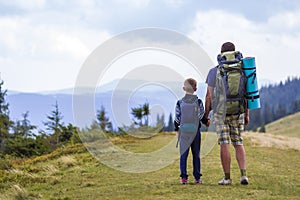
190	116
230	90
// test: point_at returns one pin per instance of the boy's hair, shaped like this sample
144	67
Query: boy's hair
227	46
190	85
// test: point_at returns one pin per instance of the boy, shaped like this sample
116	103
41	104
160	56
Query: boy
189	112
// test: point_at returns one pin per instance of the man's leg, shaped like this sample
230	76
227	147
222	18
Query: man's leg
241	159
237	141
225	159
224	142
240	155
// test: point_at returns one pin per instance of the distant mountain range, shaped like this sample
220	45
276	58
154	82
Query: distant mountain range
118	97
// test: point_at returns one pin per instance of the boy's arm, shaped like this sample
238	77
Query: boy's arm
177	116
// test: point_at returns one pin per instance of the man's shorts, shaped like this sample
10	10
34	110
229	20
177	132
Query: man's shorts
230	129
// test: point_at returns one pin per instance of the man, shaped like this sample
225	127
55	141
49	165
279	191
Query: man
228	129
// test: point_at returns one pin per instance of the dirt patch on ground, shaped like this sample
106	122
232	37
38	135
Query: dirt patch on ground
270	140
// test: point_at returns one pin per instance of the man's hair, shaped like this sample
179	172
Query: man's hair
227	46
190	85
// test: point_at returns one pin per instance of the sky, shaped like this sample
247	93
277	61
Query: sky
44	43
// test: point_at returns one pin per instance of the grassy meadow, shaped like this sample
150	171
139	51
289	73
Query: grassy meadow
73	173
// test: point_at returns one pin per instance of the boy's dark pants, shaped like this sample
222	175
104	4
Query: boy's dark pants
195	146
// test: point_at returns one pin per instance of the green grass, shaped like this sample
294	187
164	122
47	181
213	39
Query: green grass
288	126
73	173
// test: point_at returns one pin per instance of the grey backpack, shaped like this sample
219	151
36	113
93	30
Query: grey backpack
190	116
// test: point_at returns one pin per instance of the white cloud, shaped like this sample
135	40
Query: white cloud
53	38
133	3
174	3
274	43
24	5
33	53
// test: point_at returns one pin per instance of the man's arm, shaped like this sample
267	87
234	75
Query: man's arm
247	119
208	99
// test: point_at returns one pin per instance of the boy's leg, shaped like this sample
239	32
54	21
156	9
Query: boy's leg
196	156
183	161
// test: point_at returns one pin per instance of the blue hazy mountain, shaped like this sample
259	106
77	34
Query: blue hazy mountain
118	97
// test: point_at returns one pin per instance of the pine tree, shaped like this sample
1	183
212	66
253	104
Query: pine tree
20	143
170	126
26	127
103	120
281	111
267	114
67	132
262	129
5	122
54	122
146	112
138	114
23	128
160	120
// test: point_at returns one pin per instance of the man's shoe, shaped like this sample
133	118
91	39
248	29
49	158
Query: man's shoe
198	181
183	181
224	182
244	180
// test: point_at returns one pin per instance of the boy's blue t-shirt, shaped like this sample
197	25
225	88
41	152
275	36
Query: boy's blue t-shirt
211	77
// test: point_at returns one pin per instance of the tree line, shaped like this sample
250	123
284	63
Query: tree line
277	101
19	138
22	139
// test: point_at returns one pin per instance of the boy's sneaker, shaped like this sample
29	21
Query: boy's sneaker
198	181
224	182
183	181
244	180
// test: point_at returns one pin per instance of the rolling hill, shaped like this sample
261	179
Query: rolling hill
73	173
289	126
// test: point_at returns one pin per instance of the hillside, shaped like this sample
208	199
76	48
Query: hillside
282	133
289	126
277	101
73	173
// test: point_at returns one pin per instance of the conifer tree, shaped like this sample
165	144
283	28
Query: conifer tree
170	126
5	122
54	122
103	120
146	112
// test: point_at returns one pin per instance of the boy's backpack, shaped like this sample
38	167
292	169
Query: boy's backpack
190	116
230	90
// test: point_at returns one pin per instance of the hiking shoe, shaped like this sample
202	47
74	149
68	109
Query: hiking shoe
198	181
244	180
183	181
224	182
